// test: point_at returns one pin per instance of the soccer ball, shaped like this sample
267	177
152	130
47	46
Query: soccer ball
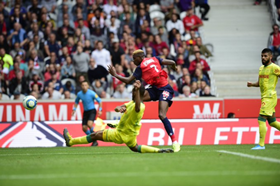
29	102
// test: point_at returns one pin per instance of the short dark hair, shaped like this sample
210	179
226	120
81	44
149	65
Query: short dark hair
85	81
230	115
266	50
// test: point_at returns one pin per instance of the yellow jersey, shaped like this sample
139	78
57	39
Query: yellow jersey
268	78
130	120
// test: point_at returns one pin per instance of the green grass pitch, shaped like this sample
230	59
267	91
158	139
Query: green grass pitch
100	166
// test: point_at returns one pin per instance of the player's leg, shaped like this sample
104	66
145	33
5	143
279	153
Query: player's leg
273	122
84	123
131	143
146	96
163	108
265	111
82	140
91	118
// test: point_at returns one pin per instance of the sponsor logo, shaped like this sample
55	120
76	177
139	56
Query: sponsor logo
165	94
30	134
207	113
264	76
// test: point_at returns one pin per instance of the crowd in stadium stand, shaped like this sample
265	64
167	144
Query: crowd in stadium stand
48	47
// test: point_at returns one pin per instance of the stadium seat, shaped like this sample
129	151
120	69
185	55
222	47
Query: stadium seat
157	14
210	47
183	15
154	8
63	81
5	97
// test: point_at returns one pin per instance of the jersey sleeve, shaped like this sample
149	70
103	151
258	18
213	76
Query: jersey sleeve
77	99
96	97
137	73
276	70
129	103
159	59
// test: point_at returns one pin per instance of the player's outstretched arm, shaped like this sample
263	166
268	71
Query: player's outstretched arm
250	84
113	72
136	92
169	62
120	109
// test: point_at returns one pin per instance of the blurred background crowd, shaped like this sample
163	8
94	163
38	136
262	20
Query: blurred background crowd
48	47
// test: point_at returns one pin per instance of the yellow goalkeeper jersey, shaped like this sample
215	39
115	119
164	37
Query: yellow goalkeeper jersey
268	78
130	120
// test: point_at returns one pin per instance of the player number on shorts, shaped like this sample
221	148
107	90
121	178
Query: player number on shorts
155	67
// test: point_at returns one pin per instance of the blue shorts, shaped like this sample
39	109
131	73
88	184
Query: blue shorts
161	94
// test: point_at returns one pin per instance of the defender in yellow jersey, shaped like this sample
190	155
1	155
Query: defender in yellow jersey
268	78
127	129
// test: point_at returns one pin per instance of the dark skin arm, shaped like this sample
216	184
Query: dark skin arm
113	72
170	63
136	94
250	84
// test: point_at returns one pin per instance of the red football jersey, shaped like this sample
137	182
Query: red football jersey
152	72
191	21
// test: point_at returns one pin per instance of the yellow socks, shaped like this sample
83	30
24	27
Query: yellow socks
80	140
272	122
147	149
262	130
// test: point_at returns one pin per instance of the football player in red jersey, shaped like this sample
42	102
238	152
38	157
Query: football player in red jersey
149	69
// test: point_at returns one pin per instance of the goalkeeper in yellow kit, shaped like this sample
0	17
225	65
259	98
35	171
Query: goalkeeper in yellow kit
268	78
127	129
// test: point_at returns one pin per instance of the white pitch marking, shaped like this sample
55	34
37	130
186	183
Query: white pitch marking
136	174
273	160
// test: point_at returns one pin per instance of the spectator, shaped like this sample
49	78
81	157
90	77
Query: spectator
117	53
174	22
70	29
166	5
69	87
35	79
34	8
159	45
83	28
4	12
199	76
71	46
36	95
80	5
6	61
16	96
107	8
79	36
81	62
52	46
12	73
18	84
187	93
206	92
17	34
116	21
3	25
163	34
186	5
127	21
38	62
51	93
50	5
193	64
274	40
100	19
68	70
99	86
203	7
191	21
68	95
53	60
116	82
202	48
157	23
3	85
231	115
3	43
17	17
31	71
17	51
51	70
81	79
102	59
142	15
121	92
57	85
88	48
35	31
